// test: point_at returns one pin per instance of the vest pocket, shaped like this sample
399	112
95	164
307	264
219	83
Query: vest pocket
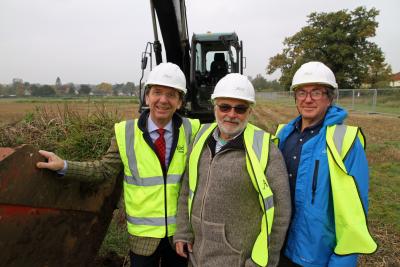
314	181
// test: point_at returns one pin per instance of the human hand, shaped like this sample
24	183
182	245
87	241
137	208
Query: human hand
53	163
183	248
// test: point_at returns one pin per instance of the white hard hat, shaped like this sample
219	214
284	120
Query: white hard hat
167	74
313	73
234	85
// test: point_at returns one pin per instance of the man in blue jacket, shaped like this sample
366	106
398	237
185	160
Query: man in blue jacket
323	230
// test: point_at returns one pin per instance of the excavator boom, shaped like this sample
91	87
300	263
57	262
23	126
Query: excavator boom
210	56
171	15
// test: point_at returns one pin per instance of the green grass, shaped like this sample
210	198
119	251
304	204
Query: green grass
384	196
377	148
116	240
380	108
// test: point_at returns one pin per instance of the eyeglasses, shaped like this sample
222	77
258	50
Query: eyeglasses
314	94
239	109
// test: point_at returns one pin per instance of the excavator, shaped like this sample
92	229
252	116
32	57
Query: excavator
45	221
208	58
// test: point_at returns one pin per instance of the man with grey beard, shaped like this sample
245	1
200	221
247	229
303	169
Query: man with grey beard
234	207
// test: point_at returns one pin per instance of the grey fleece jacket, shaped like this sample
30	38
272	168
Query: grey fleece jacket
226	213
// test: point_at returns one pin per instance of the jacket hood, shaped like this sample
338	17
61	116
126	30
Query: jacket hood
334	115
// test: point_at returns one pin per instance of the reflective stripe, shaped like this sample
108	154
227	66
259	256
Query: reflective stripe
187	127
131	154
258	143
338	136
130	151
201	131
190	193
269	202
160	221
149	181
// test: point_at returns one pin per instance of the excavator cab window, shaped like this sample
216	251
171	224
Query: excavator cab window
218	66
213	57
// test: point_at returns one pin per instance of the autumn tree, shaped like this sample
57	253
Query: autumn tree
259	82
340	40
19	89
105	88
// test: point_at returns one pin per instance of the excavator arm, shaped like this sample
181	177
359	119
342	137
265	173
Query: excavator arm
171	15
196	59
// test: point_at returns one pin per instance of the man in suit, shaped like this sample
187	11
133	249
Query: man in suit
152	152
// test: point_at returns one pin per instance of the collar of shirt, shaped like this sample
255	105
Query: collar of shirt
221	142
313	128
152	127
168	136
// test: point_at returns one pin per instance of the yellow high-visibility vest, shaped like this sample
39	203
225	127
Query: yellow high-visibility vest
256	143
351	230
150	197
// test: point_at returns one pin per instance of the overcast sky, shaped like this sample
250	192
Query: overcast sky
91	41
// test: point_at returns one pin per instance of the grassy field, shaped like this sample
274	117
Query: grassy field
13	110
386	101
383	152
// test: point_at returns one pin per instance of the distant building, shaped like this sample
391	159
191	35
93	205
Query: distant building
395	80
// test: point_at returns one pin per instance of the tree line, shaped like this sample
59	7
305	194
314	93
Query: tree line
22	89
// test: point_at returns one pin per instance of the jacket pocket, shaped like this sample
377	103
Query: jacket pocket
314	181
215	249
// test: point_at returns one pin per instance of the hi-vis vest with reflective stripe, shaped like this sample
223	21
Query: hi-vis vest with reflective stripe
352	235
257	147
151	198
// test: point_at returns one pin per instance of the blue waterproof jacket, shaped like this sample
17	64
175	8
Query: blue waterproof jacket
311	235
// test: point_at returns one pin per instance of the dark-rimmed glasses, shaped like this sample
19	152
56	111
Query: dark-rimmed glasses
239	109
314	94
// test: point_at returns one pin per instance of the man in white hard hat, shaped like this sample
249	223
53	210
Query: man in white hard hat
234	206
328	176
152	152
